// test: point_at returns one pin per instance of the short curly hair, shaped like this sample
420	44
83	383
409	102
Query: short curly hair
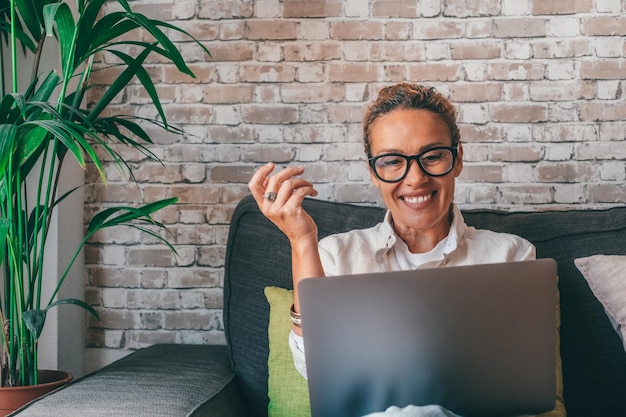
410	96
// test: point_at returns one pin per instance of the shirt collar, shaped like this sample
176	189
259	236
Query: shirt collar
388	237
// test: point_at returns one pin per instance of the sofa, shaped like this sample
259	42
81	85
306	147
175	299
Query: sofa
232	380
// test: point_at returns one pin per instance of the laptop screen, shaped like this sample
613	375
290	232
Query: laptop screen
478	340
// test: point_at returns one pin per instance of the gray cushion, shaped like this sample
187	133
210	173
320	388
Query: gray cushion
162	380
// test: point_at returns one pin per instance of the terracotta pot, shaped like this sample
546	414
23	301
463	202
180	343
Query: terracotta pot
12	398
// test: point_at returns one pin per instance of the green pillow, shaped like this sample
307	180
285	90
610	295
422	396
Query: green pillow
287	389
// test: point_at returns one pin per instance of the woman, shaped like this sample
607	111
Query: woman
413	147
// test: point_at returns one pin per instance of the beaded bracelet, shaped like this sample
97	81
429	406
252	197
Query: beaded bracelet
296	319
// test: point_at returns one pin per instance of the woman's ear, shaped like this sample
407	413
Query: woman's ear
458	164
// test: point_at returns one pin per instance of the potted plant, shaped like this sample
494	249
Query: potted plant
47	124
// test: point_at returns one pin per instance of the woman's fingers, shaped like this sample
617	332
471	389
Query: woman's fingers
258	182
279	197
279	187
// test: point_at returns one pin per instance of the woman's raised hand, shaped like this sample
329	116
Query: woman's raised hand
280	198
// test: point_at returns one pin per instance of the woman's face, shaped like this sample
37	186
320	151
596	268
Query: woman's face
419	204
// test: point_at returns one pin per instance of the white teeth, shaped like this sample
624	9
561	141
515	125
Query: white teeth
417	200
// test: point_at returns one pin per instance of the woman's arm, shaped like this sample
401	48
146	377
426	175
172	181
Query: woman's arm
279	197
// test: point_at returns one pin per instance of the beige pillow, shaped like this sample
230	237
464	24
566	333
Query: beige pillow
606	275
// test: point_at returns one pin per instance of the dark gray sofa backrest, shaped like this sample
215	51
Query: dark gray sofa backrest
594	362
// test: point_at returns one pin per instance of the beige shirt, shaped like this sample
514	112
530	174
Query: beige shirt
379	249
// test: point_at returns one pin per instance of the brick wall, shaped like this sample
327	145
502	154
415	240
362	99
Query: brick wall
539	86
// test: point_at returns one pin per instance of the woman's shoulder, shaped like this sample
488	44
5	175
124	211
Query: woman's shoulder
492	245
370	234
506	245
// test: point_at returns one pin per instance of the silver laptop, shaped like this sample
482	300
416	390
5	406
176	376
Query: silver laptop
478	340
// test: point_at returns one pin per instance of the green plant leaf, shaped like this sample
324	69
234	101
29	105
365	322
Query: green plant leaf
4	229
46	88
146	81
75	302
111	216
34	321
152	26
120	82
65	134
30	11
62	15
8	133
20	35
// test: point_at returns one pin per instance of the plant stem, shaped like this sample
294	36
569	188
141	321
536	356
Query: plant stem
13	47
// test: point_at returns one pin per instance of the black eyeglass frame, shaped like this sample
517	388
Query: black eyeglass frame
453	149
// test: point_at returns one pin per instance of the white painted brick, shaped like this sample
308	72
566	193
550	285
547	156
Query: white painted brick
475	152
267	8
356	92
267	93
269	134
113	255
343	152
359	171
475	71
519	133
461	193
309	154
437	51
356	8
314	29
609	6
194	172
613	130
609	47
115	339
515	92
569	193
563	112
311	73
113	297
356	51
313	114
563	26
559	152
227	73
516	7
517	50
183	9
559	70
609	90
186	256
613	171
189	337
430	8
269	53
479	28
227	115
474	113
187	94
520	173
482	194
191	299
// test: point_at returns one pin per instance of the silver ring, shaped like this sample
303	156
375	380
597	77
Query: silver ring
270	196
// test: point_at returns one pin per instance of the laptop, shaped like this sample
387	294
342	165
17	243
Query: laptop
477	340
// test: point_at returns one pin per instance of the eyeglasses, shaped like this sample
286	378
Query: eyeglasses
435	162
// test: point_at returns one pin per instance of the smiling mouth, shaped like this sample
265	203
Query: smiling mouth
418	199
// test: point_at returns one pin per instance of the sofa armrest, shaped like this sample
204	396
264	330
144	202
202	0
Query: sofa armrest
161	380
